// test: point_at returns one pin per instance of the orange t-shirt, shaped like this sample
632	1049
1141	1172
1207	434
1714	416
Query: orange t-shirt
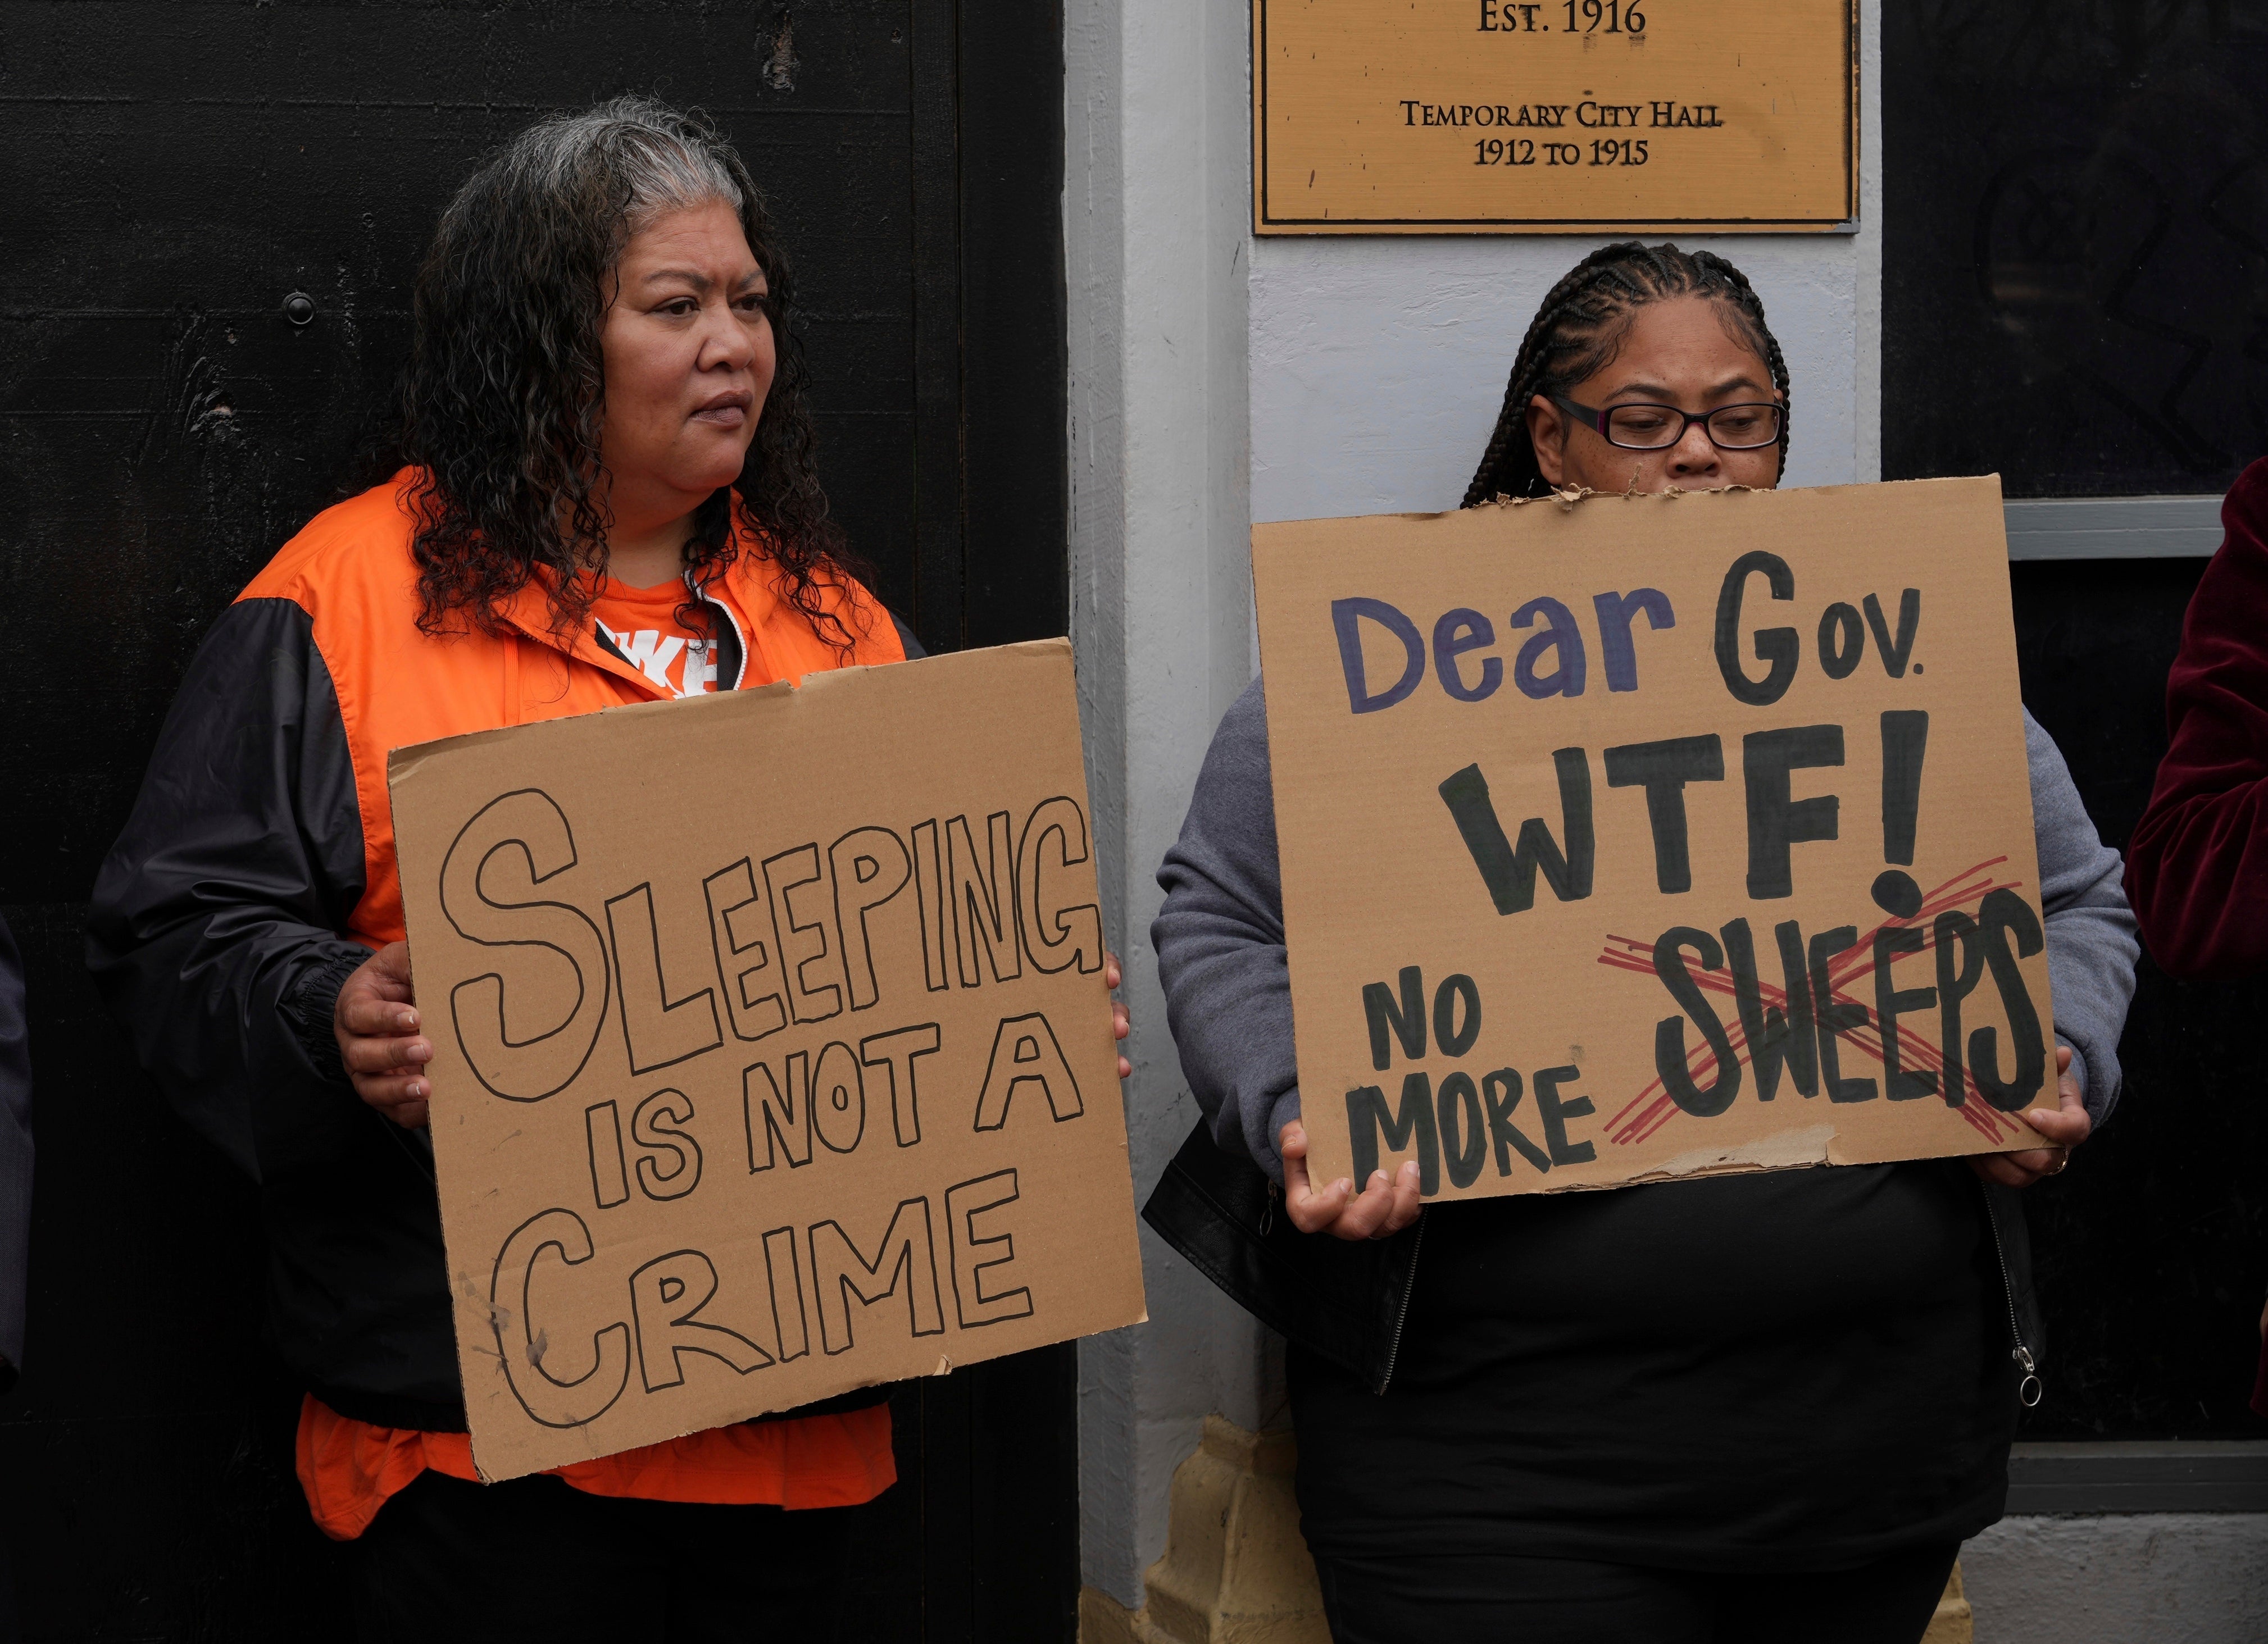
349	1469
642	624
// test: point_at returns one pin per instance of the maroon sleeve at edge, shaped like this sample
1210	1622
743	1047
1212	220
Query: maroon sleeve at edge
2197	869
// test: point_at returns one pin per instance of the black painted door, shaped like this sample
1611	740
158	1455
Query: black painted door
2075	297
171	172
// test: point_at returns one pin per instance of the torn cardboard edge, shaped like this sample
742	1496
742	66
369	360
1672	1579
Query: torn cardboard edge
1814	1148
1568	496
403	762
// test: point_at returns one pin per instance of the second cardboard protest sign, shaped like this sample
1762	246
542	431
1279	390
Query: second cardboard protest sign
773	1057
1645	837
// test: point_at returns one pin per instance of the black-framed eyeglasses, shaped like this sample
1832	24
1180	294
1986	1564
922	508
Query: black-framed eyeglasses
1657	427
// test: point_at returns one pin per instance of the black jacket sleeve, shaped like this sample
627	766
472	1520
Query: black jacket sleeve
213	937
15	1157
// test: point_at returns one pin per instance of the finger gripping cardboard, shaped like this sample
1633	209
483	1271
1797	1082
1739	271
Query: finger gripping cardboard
773	1057
1631	838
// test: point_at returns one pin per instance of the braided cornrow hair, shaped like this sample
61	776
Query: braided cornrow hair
1580	326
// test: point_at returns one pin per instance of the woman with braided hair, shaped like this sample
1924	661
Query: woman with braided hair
1764	1407
1655	311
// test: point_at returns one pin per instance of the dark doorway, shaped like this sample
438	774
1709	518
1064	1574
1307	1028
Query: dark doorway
2075	261
2151	1253
172	173
2075	296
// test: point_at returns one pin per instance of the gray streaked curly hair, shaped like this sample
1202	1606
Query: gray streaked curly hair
504	400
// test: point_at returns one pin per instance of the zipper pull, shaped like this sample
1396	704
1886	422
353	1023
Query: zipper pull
2028	1390
1268	1211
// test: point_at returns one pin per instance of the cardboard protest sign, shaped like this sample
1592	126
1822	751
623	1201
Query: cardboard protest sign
772	1053
1647	837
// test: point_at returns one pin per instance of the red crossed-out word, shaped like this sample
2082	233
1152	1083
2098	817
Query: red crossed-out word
1653	1107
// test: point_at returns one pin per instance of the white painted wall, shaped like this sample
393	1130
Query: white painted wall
2158	1578
1157	253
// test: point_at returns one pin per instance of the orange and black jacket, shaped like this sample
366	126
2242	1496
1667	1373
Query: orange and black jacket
257	872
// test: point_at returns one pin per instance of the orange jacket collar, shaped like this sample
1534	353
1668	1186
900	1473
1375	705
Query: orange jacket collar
529	611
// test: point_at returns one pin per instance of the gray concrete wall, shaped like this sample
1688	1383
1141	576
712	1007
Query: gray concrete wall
2145	1578
1156	229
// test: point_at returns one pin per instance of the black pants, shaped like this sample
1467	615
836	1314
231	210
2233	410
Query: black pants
537	1559
1451	1600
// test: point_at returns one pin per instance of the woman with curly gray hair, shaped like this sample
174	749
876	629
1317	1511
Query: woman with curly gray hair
606	496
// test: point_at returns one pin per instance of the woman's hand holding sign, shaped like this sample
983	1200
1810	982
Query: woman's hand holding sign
376	1022
1382	1209
377	1025
1120	1022
2065	1127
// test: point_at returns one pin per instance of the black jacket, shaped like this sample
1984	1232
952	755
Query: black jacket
15	1159
1346	1301
1221	957
214	940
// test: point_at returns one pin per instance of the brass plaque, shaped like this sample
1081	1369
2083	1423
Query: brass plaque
1566	116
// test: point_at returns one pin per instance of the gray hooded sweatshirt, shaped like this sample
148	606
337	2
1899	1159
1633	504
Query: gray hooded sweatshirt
1782	1370
1220	938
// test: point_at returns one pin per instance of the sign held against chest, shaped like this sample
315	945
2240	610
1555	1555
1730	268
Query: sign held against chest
1650	836
773	1058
